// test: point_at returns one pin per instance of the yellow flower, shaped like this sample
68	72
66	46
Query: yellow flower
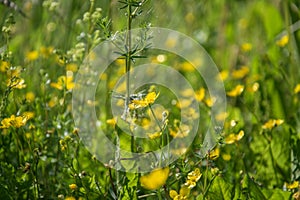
188	92
149	99
30	96
190	183
13	121
112	121
52	102
5	123
210	101
46	51
214	154
16	122
254	87
187	67
184	103
155	179
189	17
297	88
240	73
32	55
200	94
272	123
71	67
180	132
27	115
236	91
70	198
183	193
293	185
16	82
223	75
245	47
73	186
179	151
155	135
283	41
4	66
192	178
232	138
171	42
63	81
191	113
221	116
226	157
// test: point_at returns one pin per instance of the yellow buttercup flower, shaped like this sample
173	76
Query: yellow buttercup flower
184	103
192	178
188	92
16	122
155	135
232	138
73	186
28	115
226	157
155	179
297	88
149	99
223	75
180	131
112	121
171	42
283	41
272	123
4	66
16	82
200	94
71	67
30	96
240	73
222	116
187	67
70	198
209	101
236	91
32	55
63	81
254	87
5	123
293	185
46	51
183	193
189	17
214	154
245	47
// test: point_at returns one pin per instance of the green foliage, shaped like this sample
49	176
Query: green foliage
255	45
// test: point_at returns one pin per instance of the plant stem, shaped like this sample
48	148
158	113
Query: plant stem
127	67
128	58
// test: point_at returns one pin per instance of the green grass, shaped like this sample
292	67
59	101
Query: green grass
254	44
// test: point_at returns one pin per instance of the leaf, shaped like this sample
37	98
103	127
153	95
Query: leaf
251	189
270	18
129	186
4	194
276	193
220	189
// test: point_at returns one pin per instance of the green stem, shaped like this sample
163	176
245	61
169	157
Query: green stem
159	194
127	69
161	129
